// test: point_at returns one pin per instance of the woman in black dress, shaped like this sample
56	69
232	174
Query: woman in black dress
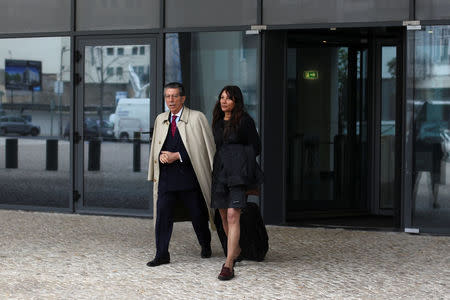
237	145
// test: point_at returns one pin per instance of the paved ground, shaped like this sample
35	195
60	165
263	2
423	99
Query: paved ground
65	256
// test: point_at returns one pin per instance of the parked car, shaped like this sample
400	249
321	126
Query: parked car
106	129
18	125
93	128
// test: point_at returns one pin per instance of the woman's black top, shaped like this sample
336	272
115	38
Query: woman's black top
245	135
235	158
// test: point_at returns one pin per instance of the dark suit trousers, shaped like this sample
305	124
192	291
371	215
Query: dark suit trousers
193	201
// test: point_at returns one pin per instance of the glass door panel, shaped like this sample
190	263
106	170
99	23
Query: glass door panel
387	132
114	124
429	95
327	129
35	104
361	124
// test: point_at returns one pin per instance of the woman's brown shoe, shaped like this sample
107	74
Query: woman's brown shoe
226	273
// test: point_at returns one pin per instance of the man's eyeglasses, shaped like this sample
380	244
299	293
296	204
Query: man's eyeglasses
171	96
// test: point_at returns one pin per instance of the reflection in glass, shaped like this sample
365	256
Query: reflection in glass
431	113
387	133
34	106
116	112
327	150
205	62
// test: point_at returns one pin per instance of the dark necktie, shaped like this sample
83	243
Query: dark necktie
173	125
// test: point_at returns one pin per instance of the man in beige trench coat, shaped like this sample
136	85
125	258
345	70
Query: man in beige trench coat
180	165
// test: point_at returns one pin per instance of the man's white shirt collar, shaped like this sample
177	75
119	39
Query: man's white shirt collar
177	114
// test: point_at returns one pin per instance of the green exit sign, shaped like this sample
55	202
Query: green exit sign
311	75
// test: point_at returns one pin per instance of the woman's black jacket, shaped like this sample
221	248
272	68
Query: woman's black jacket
235	159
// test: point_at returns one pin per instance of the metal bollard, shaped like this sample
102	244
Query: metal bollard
137	152
52	155
11	154
94	155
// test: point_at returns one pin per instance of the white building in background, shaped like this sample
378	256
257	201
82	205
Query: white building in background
112	63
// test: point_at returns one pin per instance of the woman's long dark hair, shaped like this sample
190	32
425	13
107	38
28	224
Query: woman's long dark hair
235	94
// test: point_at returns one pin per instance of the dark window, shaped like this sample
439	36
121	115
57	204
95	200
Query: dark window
109	71
120	51
18	120
329	11
119	71
109	51
197	13
34	16
97	15
134	51
432	9
142	50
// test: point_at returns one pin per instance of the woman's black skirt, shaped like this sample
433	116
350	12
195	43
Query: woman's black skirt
232	197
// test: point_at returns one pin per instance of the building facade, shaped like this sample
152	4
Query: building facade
351	99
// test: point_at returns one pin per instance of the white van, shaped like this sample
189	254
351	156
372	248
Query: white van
131	115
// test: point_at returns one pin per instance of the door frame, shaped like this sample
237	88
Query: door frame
354	44
76	124
375	37
378	43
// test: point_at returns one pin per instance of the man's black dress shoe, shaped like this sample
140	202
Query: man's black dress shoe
157	261
206	251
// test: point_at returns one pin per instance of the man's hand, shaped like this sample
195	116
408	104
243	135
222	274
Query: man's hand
167	157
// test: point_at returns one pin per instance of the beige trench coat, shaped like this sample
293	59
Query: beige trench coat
197	137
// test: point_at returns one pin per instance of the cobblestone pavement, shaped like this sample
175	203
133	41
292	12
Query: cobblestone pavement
66	256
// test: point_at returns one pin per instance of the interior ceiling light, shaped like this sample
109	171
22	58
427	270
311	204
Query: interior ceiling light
430	31
324	42
333	28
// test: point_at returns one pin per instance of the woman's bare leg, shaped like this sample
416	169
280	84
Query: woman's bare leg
234	233
223	216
